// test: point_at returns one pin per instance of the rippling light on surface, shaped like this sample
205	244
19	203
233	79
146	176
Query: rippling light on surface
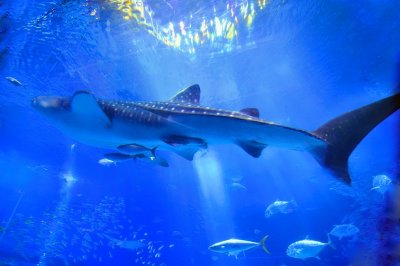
218	31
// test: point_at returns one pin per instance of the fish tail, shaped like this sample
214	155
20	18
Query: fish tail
343	133
153	151
294	202
262	244
330	241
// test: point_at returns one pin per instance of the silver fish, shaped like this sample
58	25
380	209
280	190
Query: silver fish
233	247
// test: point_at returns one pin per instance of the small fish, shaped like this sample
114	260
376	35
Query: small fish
381	183
106	162
344	230
280	206
121	157
73	147
118	157
14	81
233	247
126	244
136	149
307	248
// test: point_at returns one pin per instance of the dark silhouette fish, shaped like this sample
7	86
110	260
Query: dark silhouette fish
183	126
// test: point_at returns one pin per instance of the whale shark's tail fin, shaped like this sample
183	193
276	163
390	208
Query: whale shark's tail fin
343	134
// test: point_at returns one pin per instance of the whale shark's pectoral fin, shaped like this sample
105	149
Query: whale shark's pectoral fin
85	106
254	148
186	147
190	94
187	152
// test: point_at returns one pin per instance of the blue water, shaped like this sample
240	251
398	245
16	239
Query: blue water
300	63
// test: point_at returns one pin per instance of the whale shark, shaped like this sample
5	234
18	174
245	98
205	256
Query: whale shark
137	130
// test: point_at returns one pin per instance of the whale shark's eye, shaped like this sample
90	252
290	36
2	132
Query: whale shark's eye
66	104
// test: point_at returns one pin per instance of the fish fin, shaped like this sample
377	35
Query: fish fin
186	152
343	133
160	161
85	105
317	257
186	147
262	244
190	94
132	149
294	202
253	148
251	112
175	140
330	241
235	254
153	151
155	160
375	188
123	157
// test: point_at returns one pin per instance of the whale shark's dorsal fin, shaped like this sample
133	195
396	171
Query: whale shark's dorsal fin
84	104
189	95
251	112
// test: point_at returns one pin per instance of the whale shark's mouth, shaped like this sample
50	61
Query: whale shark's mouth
49	102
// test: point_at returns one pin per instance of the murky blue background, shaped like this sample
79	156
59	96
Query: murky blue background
301	63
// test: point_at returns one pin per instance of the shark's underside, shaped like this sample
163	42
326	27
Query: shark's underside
138	129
